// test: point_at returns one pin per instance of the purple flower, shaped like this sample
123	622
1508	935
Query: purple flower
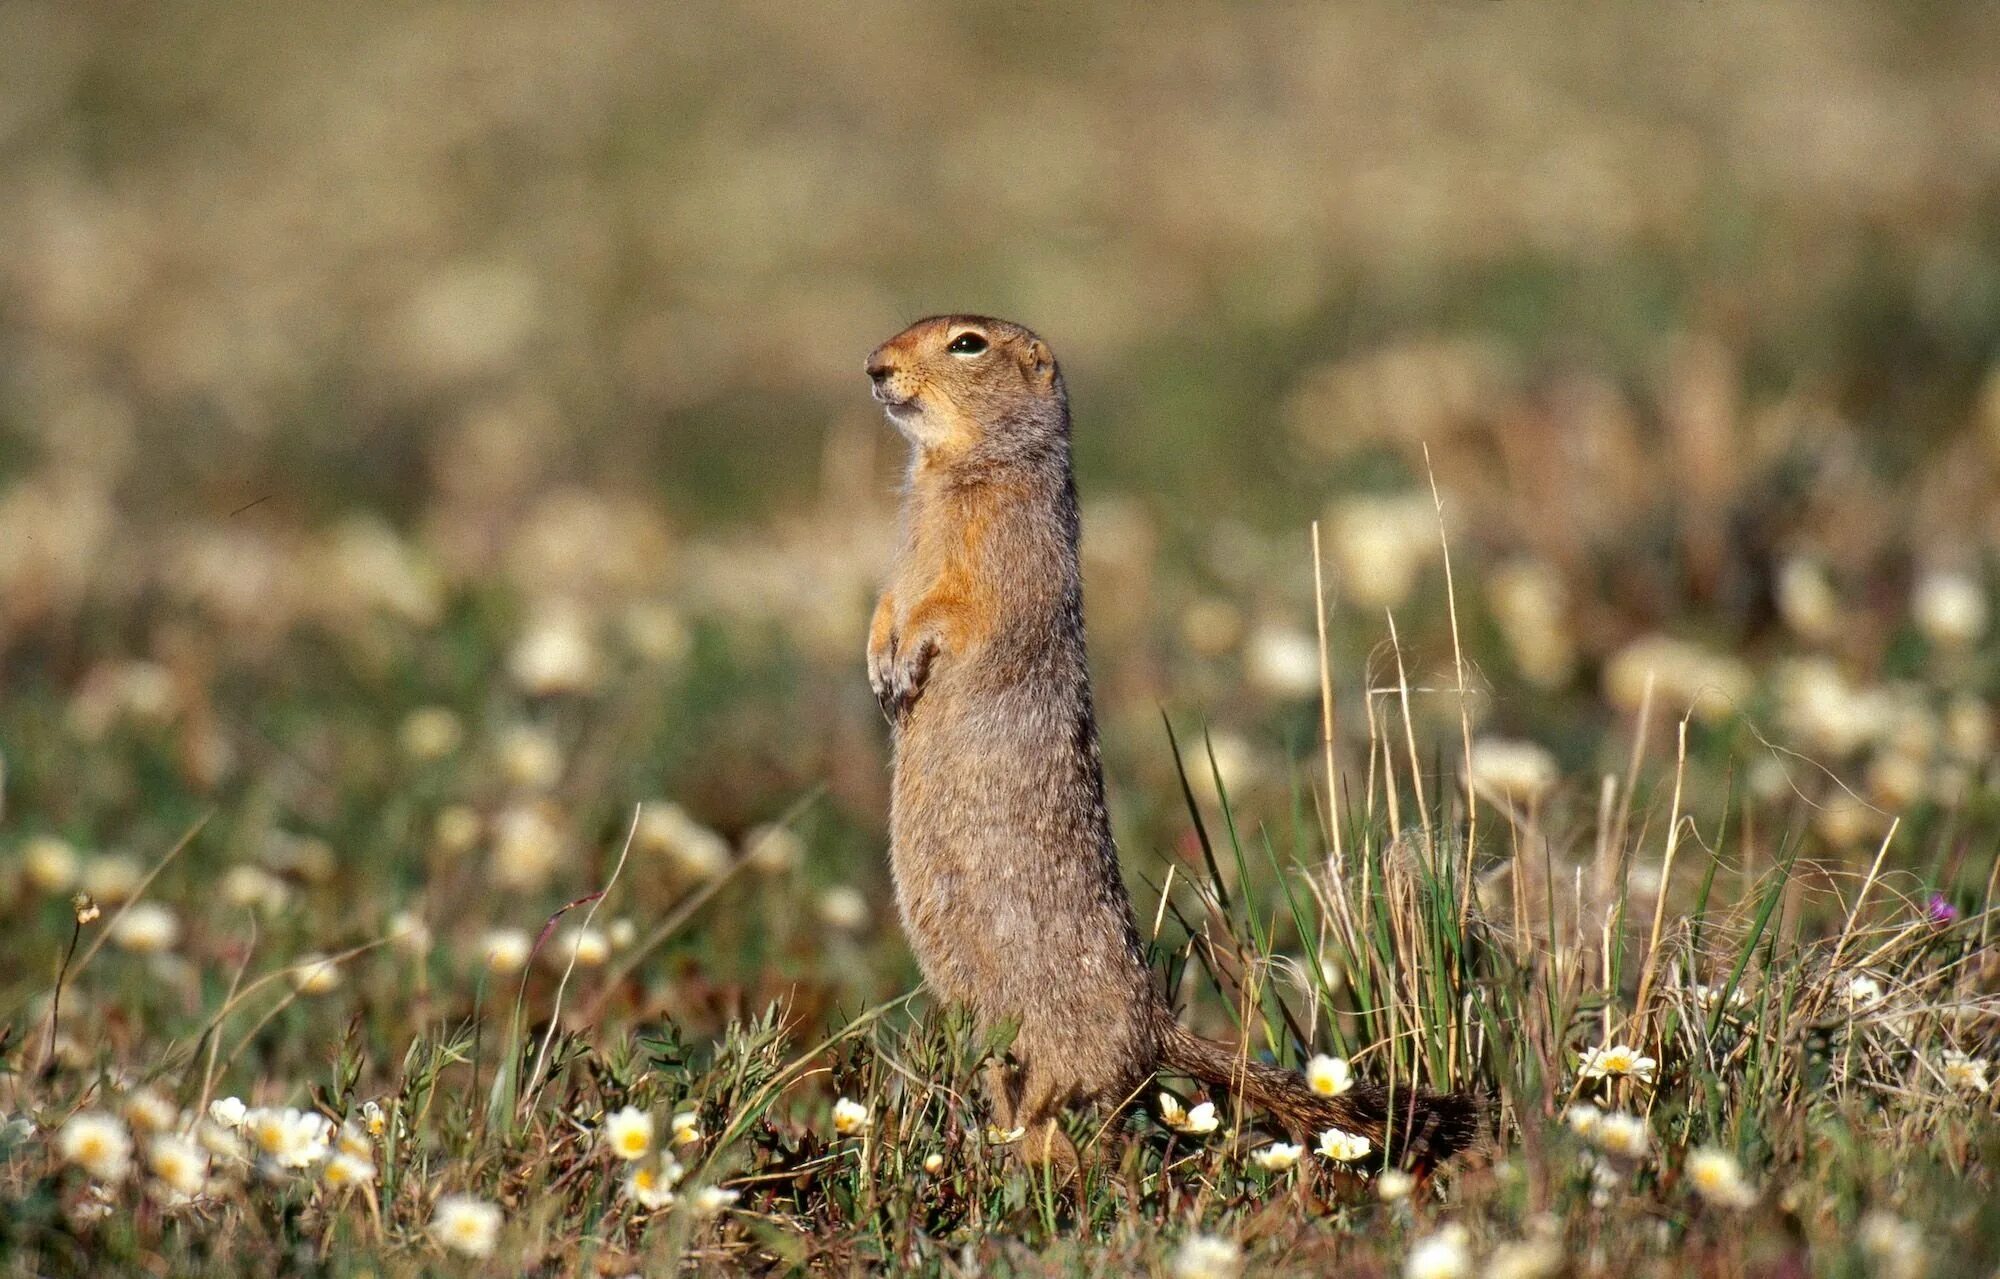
1940	912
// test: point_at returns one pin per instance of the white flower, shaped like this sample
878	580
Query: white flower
557	654
354	1140
844	907
1862	989
773	849
1525	1259
1329	1076
1895	1246
407	929
628	1133
587	946
1282	661
248	886
431	732
1583	1119
1949	608
1718	1178
374	1118
1964	1071
315	975
686	1128
1172	1113
622	933
181	1166
1278	1156
289	1137
1343	1146
710	1200
1207	1257
228	1111
146	928
51	863
1199	1120
850	1117
1616	1060
505	950
1393	1185
995	1137
665	828
1710	996
221	1142
1520	771
97	1143
1622	1134
527	845
1439	1256
464	1223
349	1169
147	1111
651	1183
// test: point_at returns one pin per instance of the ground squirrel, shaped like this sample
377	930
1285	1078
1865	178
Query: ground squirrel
1005	871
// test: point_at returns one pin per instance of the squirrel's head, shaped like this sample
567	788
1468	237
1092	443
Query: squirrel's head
967	385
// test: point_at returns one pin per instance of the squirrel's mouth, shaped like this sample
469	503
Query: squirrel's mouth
897	406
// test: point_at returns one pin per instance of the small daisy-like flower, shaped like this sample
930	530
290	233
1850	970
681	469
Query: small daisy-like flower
686	1128
1207	1257
374	1118
411	934
651	1183
467	1224
710	1200
628	1133
934	1163
1329	1076
1278	1156
1966	1072
315	975
1443	1255
1172	1113
348	1169
587	946
1525	1259
1583	1119
354	1140
431	733
97	1143
1861	989
147	1111
1344	1147
181	1166
1616	1060
229	1112
1710	996
289	1137
1622	1134
1393	1185
622	933
221	1142
506	950
146	928
850	1117
51	864
996	1137
844	908
1718	1178
1200	1120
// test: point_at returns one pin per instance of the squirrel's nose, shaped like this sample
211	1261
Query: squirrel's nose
878	369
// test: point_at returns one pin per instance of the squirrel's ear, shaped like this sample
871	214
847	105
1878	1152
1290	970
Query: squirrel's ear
1038	362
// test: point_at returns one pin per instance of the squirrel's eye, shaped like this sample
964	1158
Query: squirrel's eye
967	344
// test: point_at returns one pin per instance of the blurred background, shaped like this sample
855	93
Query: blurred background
427	430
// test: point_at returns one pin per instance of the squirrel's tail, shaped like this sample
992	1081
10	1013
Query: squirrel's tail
1427	1129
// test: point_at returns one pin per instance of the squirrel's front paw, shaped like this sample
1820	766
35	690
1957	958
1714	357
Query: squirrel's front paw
898	675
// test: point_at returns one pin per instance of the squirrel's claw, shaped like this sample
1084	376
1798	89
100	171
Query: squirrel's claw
899	677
